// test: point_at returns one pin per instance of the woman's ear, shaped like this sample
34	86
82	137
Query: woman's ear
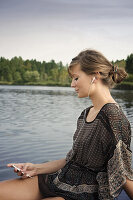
98	75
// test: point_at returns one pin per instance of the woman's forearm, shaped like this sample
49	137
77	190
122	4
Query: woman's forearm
128	187
50	167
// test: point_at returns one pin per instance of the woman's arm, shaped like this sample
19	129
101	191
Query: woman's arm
50	167
128	187
30	169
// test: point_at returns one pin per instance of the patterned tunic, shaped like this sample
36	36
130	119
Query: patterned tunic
100	157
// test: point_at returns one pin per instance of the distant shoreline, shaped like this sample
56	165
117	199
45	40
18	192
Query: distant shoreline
125	86
35	84
122	86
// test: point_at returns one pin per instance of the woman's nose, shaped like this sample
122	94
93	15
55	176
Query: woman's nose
73	83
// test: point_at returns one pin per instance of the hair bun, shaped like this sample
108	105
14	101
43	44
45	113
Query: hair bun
118	74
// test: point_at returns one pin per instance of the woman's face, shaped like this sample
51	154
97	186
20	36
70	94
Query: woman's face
80	81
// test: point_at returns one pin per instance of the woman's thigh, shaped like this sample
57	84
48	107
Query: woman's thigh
20	189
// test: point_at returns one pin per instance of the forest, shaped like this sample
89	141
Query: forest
32	72
19	71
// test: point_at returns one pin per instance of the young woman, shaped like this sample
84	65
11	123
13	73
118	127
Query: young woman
99	164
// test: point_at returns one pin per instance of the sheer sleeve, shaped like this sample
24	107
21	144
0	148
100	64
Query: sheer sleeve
69	155
119	154
71	152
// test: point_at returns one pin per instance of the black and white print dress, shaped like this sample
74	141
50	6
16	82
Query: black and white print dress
100	158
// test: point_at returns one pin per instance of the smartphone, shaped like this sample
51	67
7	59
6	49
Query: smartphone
18	169
21	171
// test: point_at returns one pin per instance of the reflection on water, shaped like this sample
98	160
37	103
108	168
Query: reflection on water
37	123
125	96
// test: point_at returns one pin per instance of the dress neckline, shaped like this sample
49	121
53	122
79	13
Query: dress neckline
88	109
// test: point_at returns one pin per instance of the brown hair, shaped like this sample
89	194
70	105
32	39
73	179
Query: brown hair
92	61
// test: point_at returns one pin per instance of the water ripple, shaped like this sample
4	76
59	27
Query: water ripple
37	123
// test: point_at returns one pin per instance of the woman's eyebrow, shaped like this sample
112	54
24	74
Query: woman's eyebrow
74	74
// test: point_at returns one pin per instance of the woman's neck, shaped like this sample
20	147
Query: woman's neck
101	97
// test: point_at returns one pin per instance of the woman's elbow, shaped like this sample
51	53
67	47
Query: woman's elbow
128	187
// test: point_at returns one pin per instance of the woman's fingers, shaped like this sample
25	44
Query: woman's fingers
22	169
17	168
28	166
10	164
20	173
17	165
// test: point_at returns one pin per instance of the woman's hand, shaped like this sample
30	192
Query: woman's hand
31	170
26	169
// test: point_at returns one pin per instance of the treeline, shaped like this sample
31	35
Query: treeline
19	71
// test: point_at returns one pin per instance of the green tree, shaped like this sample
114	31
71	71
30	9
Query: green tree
9	77
45	77
35	76
4	69
30	76
17	77
49	66
63	78
129	64
54	74
5	72
27	76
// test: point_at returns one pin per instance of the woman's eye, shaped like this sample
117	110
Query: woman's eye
76	79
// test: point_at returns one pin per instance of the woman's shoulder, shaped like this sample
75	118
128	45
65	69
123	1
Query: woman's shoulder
118	122
113	111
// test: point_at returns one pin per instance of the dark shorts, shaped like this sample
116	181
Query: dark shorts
47	192
44	190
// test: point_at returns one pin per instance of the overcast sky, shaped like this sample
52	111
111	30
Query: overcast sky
60	29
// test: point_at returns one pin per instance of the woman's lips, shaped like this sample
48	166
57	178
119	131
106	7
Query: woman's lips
77	91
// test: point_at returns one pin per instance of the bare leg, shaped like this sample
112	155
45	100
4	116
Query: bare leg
22	189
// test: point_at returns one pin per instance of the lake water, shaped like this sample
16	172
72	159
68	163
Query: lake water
37	123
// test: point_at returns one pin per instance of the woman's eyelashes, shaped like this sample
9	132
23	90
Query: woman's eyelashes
76	79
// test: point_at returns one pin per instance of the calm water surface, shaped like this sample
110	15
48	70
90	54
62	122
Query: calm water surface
37	123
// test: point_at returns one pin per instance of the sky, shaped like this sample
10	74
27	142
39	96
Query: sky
60	29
